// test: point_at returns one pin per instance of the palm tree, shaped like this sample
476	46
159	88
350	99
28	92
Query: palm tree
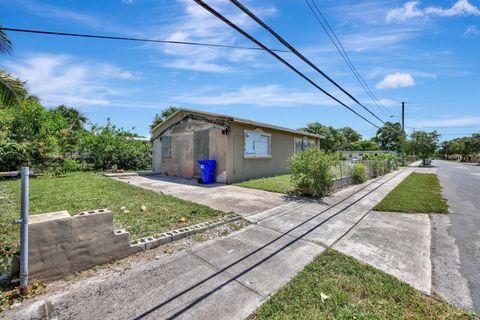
12	90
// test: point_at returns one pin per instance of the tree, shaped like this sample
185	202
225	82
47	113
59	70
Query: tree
164	115
473	144
390	136
106	146
424	144
169	111
364	145
29	135
12	90
76	120
333	141
350	135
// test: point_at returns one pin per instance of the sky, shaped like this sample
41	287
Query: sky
425	53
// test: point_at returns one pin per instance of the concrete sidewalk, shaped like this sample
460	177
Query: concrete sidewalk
228	278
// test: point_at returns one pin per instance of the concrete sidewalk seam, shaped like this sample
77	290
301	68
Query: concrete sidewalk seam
350	229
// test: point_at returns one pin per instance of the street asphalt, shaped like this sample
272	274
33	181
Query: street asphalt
461	187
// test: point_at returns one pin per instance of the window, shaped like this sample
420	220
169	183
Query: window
300	144
257	144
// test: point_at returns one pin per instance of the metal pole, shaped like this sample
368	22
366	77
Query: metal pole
404	134
24	231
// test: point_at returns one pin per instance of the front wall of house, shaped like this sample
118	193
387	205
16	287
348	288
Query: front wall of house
240	167
177	150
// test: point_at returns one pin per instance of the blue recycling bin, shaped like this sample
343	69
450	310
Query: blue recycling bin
207	170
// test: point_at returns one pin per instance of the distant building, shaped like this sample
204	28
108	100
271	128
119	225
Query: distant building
243	149
358	155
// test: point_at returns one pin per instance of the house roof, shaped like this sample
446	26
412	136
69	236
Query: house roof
237	120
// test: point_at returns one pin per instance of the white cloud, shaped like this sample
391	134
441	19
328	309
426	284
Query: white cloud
396	80
411	9
378	39
63	79
262	96
388	102
198	25
471	30
455	122
460	8
50	11
184	64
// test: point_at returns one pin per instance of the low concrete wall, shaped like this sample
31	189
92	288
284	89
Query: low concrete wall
342	182
60	244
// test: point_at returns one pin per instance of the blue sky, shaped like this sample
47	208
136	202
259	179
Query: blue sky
426	53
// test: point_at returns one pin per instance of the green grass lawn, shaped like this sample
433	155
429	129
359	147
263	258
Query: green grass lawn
85	191
419	192
355	291
280	184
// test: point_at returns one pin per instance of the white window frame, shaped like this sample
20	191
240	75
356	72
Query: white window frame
254	155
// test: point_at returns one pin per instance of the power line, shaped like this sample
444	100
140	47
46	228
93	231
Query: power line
301	56
276	56
344	55
94	36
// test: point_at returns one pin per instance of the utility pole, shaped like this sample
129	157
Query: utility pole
404	133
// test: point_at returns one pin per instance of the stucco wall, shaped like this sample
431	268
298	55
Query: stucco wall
190	140
188	143
60	244
240	168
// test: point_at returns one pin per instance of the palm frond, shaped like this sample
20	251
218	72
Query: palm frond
5	43
12	90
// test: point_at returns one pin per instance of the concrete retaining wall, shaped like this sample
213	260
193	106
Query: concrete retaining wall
60	244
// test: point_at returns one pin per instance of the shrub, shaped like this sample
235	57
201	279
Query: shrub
70	165
311	172
107	146
359	173
378	168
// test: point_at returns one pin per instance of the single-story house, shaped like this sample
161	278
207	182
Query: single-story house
243	149
358	155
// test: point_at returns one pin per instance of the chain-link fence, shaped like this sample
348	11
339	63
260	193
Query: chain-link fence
374	169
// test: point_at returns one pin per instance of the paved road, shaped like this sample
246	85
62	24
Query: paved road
461	186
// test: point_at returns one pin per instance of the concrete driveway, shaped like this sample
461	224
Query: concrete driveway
218	196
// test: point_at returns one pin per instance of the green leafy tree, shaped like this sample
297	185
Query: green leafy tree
350	135
424	144
334	139
76	120
390	136
364	145
106	146
29	135
169	111
157	119
12	90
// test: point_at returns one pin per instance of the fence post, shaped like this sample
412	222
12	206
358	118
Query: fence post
24	231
